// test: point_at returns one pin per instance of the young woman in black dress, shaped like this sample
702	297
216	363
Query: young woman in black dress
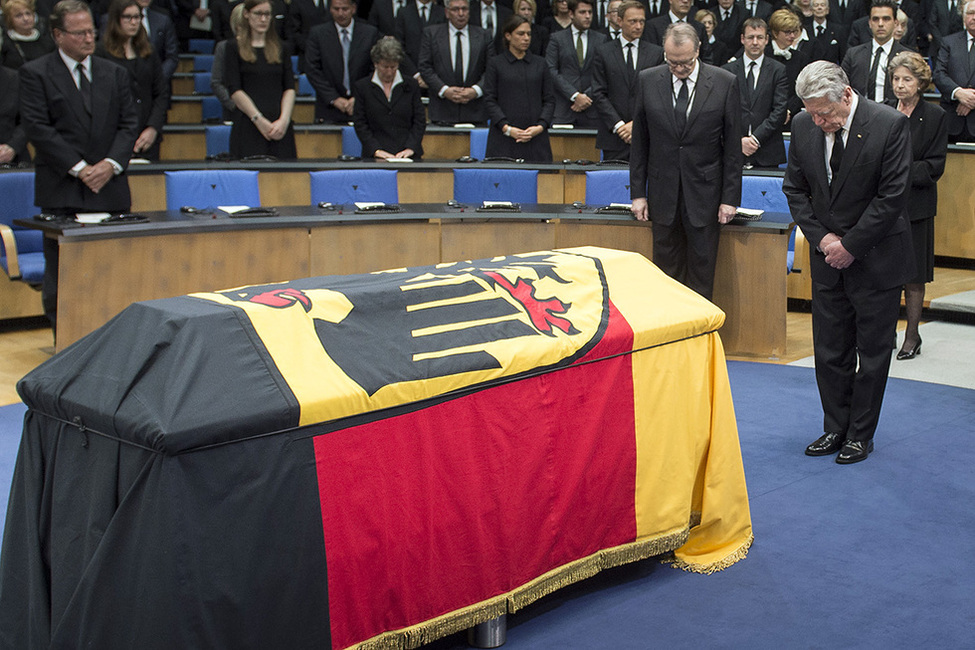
126	43
519	98
260	80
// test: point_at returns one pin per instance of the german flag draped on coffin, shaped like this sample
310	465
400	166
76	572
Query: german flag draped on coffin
377	459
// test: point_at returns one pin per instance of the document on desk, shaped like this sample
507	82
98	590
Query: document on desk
231	209
92	217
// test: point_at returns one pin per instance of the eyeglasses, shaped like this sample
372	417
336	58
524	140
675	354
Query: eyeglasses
81	33
131	17
263	15
681	64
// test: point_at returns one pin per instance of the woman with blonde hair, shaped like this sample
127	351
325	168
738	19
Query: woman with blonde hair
784	46
259	78
22	40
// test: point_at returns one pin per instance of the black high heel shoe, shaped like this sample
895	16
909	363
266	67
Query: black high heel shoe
910	354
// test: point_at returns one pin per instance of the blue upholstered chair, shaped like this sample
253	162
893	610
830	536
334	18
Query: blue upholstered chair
201	83
203	63
218	139
22	255
477	185
305	89
608	186
351	146
786	142
765	193
478	143
212	187
351	185
211	108
201	45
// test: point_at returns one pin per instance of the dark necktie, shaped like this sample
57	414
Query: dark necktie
836	157
872	81
725	14
423	14
459	60
489	24
85	87
971	58
345	61
680	107
751	9
750	80
819	30
630	68
580	53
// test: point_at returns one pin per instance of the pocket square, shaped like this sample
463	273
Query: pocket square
833	42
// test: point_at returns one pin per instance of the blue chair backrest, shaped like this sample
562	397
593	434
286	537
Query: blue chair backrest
351	185
201	45
17	202
763	193
477	185
201	83
304	86
294	63
203	63
218	139
786	142
211	108
608	186
478	143
209	188
351	146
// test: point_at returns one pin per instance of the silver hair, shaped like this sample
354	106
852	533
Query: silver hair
680	33
386	49
822	80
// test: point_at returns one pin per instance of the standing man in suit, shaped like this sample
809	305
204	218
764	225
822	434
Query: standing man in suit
846	11
679	13
453	58
337	56
847	184
657	8
861	29
764	88
303	15
491	17
411	22
78	113
614	74
954	75
383	15
828	37
944	18
685	160
162	36
730	17
866	65
758	9
570	58
614	28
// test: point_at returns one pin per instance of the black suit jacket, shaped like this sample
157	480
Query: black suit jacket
162	36
929	147
704	162
763	9
763	109
950	73
503	14
409	27
729	31
857	62
832	45
657	27
437	71
382	16
614	87
63	133
942	21
567	76
11	130
865	205
860	32
846	15
323	64
392	125
303	15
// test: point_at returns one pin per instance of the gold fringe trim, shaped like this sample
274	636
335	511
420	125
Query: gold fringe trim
462	619
720	565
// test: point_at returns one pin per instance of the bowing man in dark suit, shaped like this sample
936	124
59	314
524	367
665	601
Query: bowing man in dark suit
685	158
412	20
847	184
79	114
336	56
389	117
828	37
909	76
954	75
764	89
570	58
614	74
453	58
866	65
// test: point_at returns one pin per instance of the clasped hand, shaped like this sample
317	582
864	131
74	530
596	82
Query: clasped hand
96	176
836	254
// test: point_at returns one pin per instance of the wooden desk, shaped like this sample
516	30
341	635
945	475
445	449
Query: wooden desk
105	268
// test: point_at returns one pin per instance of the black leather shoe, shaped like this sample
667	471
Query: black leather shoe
826	444
854	451
911	353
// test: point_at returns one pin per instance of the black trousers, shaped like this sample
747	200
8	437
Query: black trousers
853	331
686	252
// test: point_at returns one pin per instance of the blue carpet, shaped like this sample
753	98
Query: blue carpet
878	554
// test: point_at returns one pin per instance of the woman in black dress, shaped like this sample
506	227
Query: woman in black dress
126	43
13	138
23	41
260	81
909	77
519	98
388	114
